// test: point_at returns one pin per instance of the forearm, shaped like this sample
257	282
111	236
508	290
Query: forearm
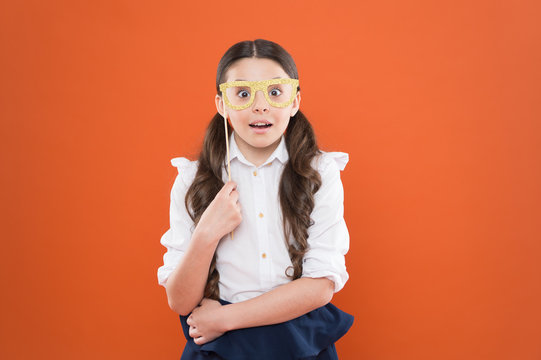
186	284
281	304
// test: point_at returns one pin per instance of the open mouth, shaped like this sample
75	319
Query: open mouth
260	126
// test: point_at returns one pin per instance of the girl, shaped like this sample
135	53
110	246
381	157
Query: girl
252	263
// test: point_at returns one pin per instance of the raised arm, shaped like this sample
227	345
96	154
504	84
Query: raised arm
186	284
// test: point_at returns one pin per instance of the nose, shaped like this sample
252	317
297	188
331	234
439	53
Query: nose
260	104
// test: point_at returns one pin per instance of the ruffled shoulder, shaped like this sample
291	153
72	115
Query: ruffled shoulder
334	158
182	163
186	168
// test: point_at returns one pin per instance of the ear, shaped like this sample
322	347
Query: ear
296	104
219	104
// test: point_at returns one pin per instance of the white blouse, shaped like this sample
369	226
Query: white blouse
256	259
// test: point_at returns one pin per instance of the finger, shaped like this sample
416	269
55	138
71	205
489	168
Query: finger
228	187
193	332
200	340
190	321
234	196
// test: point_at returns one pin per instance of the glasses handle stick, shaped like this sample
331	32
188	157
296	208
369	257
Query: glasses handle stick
227	148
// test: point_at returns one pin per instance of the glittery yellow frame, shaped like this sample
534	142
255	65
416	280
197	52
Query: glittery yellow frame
259	85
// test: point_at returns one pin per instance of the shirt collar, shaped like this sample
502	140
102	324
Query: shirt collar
279	153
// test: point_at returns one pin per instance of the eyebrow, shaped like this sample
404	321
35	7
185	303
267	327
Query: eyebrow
276	77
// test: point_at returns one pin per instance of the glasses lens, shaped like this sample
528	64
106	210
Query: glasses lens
238	95
280	93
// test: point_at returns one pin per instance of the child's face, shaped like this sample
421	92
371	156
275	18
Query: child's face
256	139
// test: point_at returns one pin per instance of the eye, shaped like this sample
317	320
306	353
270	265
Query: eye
275	92
243	93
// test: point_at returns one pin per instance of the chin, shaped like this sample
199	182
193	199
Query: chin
262	143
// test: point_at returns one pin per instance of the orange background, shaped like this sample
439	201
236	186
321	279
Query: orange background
436	103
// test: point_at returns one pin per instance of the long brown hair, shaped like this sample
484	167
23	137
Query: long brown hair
298	183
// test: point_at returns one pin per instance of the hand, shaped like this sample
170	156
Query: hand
223	214
205	322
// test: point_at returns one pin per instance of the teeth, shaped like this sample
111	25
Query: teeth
260	124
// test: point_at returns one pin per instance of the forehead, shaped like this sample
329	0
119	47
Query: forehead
254	69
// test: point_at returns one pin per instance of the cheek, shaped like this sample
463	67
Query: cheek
238	119
283	120
282	126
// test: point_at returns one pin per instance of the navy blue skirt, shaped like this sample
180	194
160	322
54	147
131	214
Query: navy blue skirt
308	337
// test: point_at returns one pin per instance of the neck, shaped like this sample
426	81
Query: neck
256	156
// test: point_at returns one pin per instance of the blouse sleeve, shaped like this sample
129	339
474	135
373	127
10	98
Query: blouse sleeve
328	237
177	237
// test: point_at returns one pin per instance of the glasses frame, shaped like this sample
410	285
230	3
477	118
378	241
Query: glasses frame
256	86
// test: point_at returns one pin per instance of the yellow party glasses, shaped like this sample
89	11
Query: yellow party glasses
240	94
